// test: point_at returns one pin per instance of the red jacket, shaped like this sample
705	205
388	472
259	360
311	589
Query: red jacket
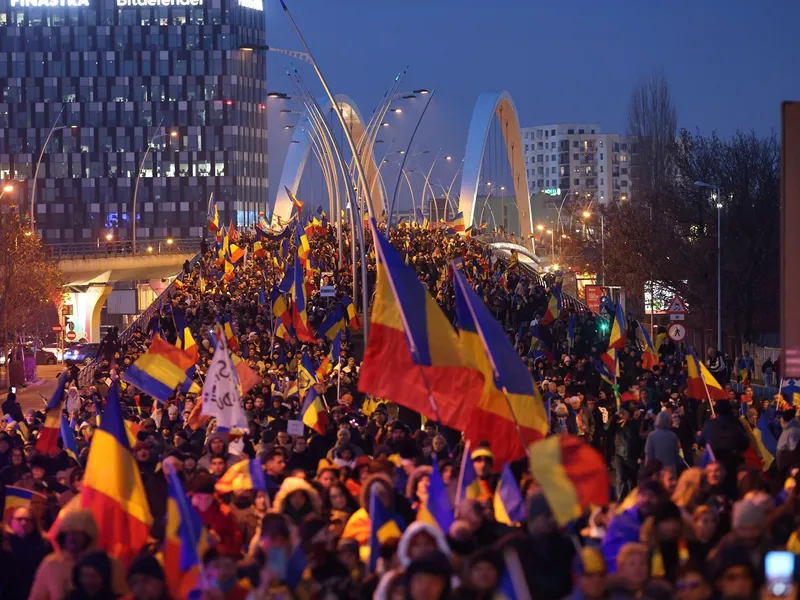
219	519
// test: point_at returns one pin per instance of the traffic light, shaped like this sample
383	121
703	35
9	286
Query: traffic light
603	326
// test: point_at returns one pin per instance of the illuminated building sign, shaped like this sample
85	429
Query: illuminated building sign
48	3
254	4
552	191
134	3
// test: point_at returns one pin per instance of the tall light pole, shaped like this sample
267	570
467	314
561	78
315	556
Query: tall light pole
53	129
587	215
716	198
156	135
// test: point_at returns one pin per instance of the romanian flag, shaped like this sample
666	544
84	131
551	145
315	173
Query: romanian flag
791	392
236	253
414	356
244	475
258	249
262	296
701	383
47	443
298	204
230	334
247	377
619	329
306	375
469	487
510	406
301	242
232	233
458	223
213	216
279	307
350	311
553	306
185	541
383	527
649	356
68	439
608	366
572	474
17	497
159	370
112	487
313	412
299	313
185	339
333	323
437	509
509	505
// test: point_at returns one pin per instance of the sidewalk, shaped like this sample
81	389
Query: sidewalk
29	396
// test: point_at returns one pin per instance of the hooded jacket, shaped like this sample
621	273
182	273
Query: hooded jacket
415	528
53	580
290	485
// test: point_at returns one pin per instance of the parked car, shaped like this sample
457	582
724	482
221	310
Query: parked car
43	357
81	354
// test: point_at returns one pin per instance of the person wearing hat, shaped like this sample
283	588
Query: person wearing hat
483	461
216	517
147	581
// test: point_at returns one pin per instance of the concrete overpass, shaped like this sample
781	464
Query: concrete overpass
90	269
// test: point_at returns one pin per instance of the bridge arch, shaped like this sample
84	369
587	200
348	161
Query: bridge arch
299	150
491	105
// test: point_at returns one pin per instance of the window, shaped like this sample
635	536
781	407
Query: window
602	181
575	144
624	147
553	157
526	145
574	157
624	183
592	130
601	154
623	158
540	146
601	168
576	181
552	132
570	132
601	143
624	171
580	131
539	158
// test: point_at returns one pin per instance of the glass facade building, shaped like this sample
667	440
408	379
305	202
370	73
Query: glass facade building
117	91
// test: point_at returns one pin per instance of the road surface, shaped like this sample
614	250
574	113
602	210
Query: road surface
29	397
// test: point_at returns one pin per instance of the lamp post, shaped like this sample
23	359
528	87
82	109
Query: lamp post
552	247
156	135
717	199
53	129
587	215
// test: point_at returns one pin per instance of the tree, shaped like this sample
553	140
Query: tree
29	277
653	125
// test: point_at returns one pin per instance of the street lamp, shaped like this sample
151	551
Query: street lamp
109	237
716	199
156	135
587	215
6	188
53	129
552	247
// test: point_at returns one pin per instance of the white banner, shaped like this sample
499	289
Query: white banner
221	398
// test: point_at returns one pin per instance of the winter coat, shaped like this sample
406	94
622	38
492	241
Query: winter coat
53	579
789	448
25	554
663	445
290	485
623	528
219	519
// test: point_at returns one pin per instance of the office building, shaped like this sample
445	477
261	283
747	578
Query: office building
579	159
112	89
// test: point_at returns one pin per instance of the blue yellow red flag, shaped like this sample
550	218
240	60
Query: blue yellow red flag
245	475
299	311
510	411
306	375
213	216
458	222
159	370
619	329
509	505
47	442
333	323
437	509
112	487
350	311
68	440
185	541
701	383
383	527
572	475
185	338
230	334
298	204
17	497
414	356
301	242
313	412
553	304
649	356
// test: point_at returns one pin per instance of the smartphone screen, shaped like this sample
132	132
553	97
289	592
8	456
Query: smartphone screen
779	572
13	389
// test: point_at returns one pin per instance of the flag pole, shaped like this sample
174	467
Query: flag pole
708	395
460	481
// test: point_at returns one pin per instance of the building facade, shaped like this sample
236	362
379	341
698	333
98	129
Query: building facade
579	159
109	92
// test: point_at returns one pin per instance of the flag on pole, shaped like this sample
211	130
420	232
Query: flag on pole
47	442
221	396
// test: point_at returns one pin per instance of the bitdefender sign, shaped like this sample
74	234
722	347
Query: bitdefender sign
134	3
48	3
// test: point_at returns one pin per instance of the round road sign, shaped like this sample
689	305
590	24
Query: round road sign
676	332
71	335
56	329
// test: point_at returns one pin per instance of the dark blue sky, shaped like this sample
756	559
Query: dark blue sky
729	62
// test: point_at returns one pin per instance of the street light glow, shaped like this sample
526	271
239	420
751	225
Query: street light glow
448	158
385	124
173	134
397	110
287	127
169	241
109	237
540	227
550	231
586	214
149	248
8	188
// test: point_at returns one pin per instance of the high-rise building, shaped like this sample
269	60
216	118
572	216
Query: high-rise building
109	92
579	159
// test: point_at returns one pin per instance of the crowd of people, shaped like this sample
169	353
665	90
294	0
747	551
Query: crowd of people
691	515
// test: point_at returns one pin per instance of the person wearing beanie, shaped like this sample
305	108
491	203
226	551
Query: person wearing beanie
728	441
217	517
750	529
147	581
483	461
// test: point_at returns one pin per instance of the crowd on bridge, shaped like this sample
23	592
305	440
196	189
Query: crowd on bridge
329	490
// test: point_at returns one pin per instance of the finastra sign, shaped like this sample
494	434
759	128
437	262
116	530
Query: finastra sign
48	3
134	3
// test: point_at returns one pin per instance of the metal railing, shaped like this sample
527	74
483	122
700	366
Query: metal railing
140	323
123	248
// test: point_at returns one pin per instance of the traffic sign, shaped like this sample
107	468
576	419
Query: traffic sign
71	335
677	332
676	307
56	329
